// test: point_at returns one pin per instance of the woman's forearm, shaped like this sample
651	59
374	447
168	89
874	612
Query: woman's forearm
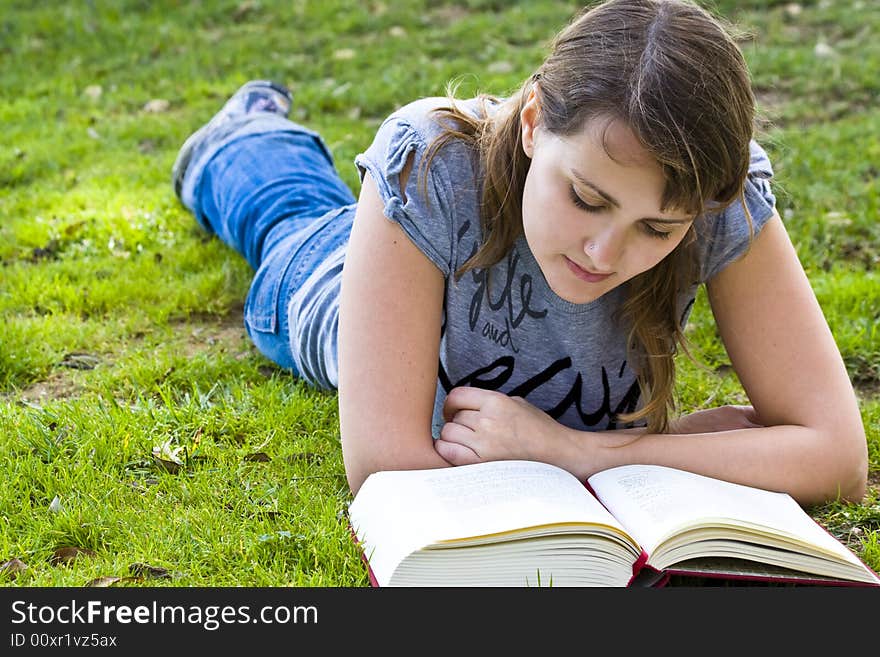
374	456
804	462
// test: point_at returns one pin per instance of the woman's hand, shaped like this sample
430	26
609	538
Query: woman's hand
711	420
484	425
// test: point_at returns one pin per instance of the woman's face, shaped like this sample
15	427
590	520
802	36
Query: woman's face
593	221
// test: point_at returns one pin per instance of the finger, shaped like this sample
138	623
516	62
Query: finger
465	398
452	432
467	419
750	416
455	453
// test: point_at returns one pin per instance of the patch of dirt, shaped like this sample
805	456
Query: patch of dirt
867	387
204	332
776	111
59	386
197	334
446	15
771	104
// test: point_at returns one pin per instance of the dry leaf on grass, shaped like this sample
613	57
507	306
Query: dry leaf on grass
169	466
308	457
65	555
12	568
168	457
104	582
156	106
146	570
55	505
80	361
244	9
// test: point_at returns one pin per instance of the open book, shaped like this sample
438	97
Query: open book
523	523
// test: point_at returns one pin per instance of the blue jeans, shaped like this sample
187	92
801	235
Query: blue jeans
275	197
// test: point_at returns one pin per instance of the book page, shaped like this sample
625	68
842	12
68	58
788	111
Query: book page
397	512
654	502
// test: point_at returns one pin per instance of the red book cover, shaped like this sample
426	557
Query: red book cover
373	581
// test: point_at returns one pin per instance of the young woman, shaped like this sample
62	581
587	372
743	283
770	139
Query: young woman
514	278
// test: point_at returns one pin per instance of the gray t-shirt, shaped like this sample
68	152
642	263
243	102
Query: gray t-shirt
514	334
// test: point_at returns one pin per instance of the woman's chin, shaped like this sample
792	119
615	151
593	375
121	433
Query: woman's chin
573	294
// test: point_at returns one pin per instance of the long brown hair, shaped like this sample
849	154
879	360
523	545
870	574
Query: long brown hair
674	75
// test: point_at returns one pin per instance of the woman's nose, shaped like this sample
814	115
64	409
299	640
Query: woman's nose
605	249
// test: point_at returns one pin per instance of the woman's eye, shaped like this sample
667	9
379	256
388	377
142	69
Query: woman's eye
582	204
653	232
647	228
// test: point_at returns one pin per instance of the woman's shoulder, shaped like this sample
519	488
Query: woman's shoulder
438	201
759	162
430	116
408	134
724	236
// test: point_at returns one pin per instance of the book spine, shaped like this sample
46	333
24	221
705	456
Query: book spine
778	579
638	565
373	581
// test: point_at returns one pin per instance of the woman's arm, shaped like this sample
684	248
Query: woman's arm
788	363
804	436
389	335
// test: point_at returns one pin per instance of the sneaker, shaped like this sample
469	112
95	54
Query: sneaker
251	98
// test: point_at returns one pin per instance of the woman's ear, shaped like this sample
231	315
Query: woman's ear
528	119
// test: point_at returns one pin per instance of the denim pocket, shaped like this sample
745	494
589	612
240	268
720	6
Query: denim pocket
263	303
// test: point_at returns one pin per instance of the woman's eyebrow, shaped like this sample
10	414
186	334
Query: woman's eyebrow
613	201
587	183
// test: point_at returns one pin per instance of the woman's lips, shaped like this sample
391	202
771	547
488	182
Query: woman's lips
584	274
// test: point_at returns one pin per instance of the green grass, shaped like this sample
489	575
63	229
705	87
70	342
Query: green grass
121	322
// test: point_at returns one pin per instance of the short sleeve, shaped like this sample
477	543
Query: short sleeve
725	236
425	210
